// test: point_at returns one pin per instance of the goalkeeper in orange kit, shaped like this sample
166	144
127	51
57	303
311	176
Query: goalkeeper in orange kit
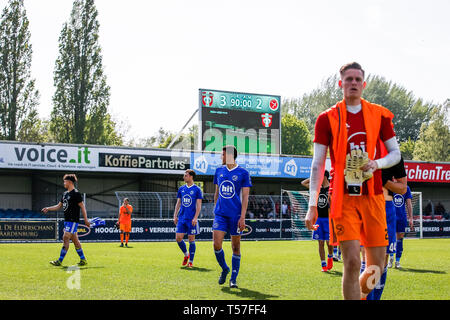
125	221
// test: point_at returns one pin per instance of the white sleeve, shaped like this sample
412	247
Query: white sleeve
317	171
393	157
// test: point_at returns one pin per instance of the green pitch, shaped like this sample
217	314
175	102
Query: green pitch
287	270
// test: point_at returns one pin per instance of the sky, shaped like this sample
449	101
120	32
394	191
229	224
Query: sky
157	54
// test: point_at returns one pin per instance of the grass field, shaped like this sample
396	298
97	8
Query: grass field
285	270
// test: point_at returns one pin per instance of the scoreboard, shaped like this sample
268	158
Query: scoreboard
251	122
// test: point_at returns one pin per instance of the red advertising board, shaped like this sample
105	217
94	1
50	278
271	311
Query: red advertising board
427	172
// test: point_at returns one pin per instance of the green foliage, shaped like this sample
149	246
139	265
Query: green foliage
407	149
434	138
296	139
310	105
18	95
409	111
81	99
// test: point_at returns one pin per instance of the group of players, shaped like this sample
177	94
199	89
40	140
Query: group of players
367	173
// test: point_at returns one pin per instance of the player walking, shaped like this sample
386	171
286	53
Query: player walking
125	221
403	209
187	209
353	130
322	233
72	203
231	200
394	180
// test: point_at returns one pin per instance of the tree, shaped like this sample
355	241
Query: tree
295	139
433	143
18	96
407	149
310	105
81	99
409	111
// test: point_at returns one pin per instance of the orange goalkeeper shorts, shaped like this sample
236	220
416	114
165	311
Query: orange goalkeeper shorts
364	219
125	227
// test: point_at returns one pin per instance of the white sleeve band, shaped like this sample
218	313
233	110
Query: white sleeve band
317	171
393	157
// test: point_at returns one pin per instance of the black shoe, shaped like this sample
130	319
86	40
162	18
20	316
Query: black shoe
223	276
56	263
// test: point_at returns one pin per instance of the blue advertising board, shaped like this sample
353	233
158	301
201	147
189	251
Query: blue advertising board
264	166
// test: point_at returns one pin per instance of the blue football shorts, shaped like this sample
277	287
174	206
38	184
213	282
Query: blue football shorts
227	224
185	226
70	227
323	231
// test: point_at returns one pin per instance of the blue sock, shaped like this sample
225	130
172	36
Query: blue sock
62	254
191	251
335	251
376	293
182	246
363	267
324	263
235	265
220	256
399	251
80	253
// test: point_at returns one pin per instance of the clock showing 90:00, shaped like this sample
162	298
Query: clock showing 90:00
240	101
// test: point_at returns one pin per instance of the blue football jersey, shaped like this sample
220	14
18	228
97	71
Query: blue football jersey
400	202
189	197
230	183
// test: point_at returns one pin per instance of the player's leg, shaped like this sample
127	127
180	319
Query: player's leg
352	263
68	227
236	259
399	251
375	259
79	250
363	260
330	255
126	233
179	235
321	244
218	236
192	248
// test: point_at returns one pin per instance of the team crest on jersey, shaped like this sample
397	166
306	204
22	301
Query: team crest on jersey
227	189
234	178
65	204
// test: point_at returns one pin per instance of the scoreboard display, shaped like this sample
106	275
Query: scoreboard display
250	122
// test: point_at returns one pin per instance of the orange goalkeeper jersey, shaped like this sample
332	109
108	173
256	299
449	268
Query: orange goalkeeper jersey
125	216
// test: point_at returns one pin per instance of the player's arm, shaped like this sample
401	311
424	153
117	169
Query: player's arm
198	208
409	211
315	181
175	212
216	194
83	211
391	159
53	208
397	186
305	183
245	193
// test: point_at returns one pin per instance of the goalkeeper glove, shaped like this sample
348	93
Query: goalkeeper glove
354	176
